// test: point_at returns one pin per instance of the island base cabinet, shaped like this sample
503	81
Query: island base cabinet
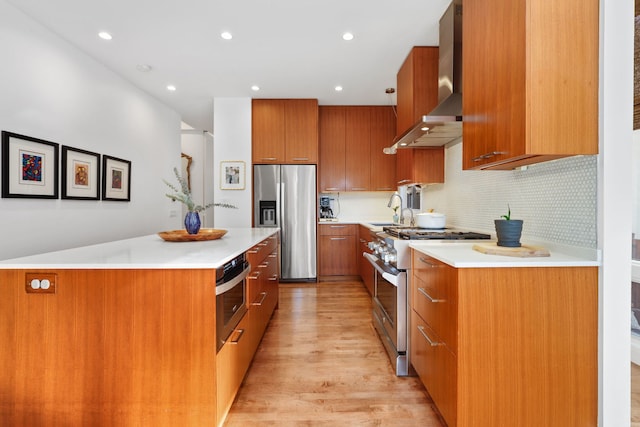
233	361
125	347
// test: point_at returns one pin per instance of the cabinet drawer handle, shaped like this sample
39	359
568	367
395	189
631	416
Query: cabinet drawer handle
263	265
338	238
432	299
357	188
254	276
332	189
273	278
430	264
424	334
338	226
488	155
254	250
269	158
274	255
384	189
300	159
238	335
264	295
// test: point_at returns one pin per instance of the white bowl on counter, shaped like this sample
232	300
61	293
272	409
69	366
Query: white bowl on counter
431	220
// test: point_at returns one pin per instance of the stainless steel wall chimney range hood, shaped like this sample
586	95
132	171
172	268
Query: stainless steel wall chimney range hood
444	123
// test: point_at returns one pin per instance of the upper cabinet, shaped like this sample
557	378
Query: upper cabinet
351	143
530	82
284	131
417	92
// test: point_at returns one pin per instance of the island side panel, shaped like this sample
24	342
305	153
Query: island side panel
110	347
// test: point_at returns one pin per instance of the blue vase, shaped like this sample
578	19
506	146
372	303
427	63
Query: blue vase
192	222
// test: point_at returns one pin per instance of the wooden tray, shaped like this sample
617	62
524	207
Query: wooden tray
183	236
523	251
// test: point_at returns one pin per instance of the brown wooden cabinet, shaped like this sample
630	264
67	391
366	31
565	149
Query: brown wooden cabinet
365	268
506	346
351	142
337	250
284	131
542	58
417	95
235	356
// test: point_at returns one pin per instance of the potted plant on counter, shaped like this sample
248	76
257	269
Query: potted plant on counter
508	230
183	195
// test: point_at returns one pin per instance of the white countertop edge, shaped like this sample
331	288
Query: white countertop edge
461	255
147	252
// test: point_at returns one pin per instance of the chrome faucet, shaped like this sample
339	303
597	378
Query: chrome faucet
413	222
391	199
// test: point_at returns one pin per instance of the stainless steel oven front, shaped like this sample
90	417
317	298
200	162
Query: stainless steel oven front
231	294
390	317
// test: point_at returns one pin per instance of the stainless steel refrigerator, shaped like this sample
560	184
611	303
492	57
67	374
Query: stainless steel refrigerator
285	196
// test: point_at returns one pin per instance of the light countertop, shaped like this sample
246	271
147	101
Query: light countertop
148	252
461	255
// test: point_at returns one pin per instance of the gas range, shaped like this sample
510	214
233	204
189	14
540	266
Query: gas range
412	233
392	244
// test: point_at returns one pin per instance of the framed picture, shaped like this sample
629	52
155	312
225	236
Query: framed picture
232	175
116	179
29	167
80	174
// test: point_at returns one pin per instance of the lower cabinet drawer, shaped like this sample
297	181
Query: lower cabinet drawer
436	367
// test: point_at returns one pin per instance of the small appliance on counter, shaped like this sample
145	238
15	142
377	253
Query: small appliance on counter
327	209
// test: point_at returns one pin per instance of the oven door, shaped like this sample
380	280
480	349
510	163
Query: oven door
390	303
230	306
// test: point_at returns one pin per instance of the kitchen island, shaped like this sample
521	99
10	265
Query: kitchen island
123	334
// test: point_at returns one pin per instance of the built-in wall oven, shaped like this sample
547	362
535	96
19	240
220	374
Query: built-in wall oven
231	293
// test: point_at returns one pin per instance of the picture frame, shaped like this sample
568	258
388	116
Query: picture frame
29	167
116	179
232	175
80	174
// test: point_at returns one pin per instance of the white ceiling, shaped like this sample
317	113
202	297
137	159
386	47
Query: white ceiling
290	48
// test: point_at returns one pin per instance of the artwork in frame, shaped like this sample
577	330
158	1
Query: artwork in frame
29	167
116	179
232	175
80	174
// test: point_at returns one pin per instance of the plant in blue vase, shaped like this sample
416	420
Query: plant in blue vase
183	195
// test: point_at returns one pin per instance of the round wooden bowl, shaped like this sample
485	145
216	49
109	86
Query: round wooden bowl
183	236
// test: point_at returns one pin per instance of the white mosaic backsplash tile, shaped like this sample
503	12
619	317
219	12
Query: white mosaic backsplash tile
557	200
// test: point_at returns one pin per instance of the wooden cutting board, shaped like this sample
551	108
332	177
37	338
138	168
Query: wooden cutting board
523	251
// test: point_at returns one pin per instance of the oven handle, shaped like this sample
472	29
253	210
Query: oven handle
394	279
231	283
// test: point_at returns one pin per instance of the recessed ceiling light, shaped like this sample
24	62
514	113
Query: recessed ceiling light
144	68
104	35
338	88
347	36
255	88
226	35
171	88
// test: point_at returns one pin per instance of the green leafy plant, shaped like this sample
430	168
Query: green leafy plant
508	215
395	209
183	195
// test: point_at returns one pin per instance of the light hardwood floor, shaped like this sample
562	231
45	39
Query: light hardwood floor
321	363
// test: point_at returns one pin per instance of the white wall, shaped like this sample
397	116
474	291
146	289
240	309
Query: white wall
232	142
199	145
52	91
